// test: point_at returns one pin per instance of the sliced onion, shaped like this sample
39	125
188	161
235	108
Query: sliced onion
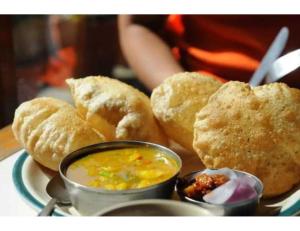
222	194
249	180
244	191
233	191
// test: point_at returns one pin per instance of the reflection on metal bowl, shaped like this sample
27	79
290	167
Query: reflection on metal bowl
88	200
154	207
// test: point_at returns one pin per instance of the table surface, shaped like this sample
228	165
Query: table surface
8	155
12	204
8	144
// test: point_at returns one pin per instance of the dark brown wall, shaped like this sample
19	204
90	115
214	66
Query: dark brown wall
8	86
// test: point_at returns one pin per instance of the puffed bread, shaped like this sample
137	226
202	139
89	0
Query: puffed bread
255	130
177	100
49	129
117	110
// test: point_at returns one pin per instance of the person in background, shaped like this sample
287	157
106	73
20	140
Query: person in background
225	47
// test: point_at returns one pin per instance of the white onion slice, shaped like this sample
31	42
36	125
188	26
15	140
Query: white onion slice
222	194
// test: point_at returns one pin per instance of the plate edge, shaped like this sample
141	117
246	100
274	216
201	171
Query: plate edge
20	186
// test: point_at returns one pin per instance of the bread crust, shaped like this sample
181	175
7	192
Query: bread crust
50	129
255	130
115	109
177	100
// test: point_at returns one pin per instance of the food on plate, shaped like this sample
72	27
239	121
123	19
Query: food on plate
115	109
256	130
177	100
122	169
49	129
116	172
204	184
219	187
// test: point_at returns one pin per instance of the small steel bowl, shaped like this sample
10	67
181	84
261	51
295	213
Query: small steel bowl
154	207
88	200
243	208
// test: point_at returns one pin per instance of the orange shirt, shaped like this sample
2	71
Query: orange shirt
227	46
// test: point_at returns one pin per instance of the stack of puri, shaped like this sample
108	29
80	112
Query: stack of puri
105	110
256	130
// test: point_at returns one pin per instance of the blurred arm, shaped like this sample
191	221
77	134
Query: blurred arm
147	54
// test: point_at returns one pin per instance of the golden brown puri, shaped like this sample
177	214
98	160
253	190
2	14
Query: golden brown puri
116	109
255	130
49	129
177	100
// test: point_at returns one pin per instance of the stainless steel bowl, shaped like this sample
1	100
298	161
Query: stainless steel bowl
244	208
154	207
88	200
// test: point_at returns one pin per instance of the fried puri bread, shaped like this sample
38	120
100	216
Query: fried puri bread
49	129
115	109
177	100
255	130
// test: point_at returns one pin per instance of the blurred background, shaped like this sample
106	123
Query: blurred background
39	52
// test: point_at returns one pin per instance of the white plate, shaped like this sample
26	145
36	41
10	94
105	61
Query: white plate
30	180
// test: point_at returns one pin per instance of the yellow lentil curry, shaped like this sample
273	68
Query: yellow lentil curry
129	168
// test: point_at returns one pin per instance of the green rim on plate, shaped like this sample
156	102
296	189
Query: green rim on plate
21	188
